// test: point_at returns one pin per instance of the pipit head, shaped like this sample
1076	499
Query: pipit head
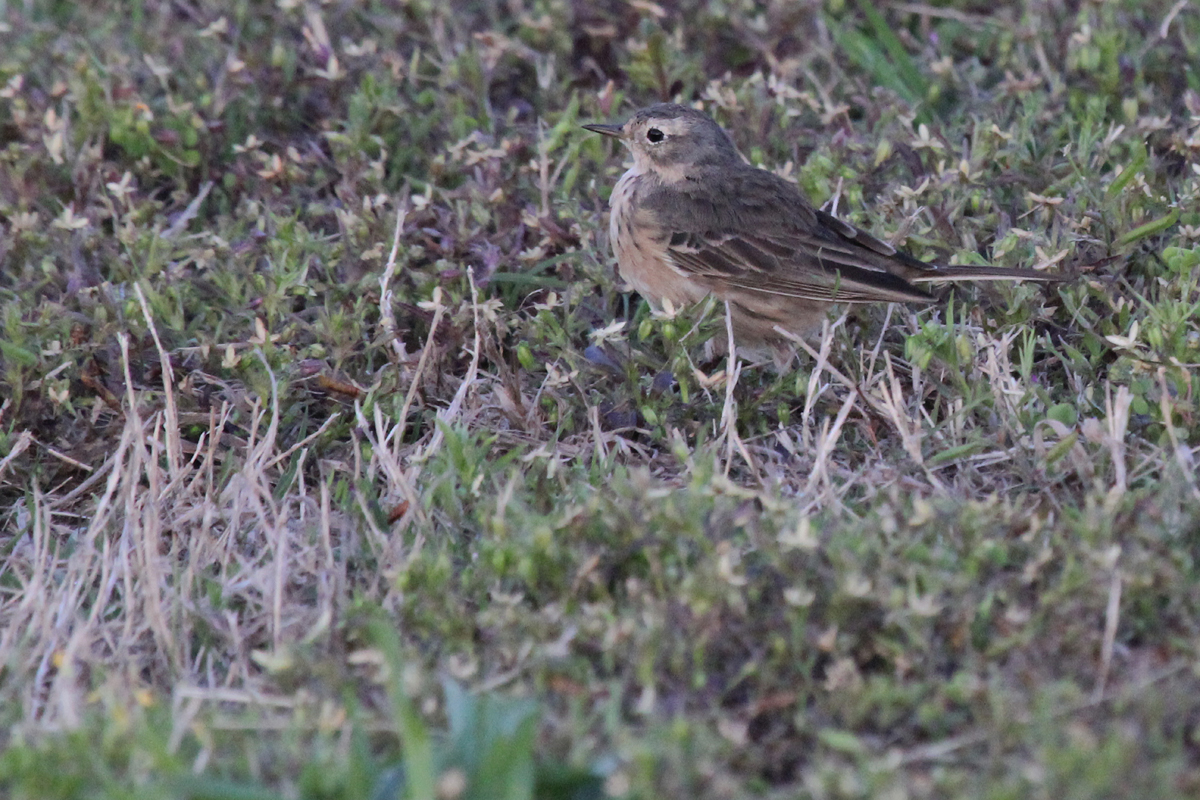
667	138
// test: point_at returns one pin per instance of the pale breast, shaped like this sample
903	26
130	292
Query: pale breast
640	246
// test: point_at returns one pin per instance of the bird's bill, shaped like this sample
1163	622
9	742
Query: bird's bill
616	131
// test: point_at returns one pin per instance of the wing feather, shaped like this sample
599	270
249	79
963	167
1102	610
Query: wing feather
762	235
769	239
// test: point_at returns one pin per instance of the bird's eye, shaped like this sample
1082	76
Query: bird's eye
655	135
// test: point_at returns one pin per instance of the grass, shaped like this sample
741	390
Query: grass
336	463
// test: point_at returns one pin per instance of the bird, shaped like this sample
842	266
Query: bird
691	218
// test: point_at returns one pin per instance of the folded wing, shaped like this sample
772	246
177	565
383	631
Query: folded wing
774	242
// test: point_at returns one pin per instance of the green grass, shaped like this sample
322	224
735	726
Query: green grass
336	463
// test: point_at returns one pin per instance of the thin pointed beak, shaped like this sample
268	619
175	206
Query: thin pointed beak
616	131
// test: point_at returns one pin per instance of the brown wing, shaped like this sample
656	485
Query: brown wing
763	236
796	265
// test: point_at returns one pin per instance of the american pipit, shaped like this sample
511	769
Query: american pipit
691	218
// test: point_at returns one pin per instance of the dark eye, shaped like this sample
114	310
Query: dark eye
655	135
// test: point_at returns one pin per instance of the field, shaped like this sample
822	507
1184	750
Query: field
336	462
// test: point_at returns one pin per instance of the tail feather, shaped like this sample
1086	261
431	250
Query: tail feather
968	273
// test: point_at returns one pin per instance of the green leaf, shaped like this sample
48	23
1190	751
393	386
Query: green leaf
869	58
955	453
1061	448
17	353
841	741
1131	171
415	740
906	69
1149	229
1065	413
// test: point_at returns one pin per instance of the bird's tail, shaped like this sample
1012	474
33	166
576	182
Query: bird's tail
966	273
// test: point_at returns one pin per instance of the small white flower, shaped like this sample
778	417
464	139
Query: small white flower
1125	342
68	221
609	333
122	189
